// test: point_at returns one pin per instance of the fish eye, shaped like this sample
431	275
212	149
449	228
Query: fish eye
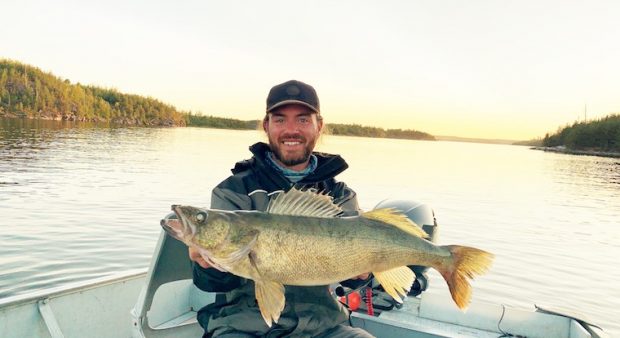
201	216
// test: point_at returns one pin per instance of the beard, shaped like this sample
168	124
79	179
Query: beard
293	159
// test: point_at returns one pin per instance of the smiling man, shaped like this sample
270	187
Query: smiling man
293	124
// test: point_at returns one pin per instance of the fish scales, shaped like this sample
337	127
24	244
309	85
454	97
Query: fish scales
312	253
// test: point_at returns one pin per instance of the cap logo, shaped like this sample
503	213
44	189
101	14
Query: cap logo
290	92
293	90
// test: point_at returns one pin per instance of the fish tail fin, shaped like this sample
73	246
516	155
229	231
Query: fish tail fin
468	262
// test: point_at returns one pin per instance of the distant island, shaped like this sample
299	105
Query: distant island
476	140
359	130
28	92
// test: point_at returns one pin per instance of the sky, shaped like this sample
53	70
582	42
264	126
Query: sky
479	68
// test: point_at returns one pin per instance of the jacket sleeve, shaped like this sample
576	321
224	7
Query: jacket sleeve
213	280
210	279
347	199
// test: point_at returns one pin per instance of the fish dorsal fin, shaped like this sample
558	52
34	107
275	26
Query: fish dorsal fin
304	203
396	282
397	219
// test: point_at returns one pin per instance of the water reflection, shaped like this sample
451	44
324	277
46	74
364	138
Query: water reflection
29	141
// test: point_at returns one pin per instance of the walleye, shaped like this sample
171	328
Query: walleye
300	240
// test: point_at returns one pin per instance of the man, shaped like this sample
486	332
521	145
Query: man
293	124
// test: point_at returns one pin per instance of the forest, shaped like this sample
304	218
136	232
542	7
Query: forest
601	134
26	91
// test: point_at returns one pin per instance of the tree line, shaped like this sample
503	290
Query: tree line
359	130
332	128
602	134
198	120
28	92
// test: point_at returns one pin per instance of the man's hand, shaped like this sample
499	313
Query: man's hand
195	256
363	276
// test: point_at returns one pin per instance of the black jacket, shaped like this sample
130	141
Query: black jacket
308	310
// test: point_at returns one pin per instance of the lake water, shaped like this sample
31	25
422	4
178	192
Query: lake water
82	202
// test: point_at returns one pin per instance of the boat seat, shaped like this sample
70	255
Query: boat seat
169	300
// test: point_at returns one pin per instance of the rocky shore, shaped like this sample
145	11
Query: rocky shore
591	152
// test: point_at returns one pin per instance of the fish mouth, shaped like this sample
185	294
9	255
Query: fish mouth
177	225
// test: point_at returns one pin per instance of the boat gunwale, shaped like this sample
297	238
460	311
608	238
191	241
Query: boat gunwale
31	297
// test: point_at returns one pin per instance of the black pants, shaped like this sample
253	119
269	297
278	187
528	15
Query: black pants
340	331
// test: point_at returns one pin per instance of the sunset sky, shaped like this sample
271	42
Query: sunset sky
487	69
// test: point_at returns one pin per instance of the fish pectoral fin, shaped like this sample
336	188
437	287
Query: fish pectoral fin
396	282
396	218
236	256
270	297
254	262
206	255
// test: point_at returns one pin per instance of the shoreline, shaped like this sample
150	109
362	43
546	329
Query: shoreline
124	121
564	150
129	122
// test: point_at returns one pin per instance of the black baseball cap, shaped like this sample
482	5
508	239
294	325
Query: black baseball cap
293	92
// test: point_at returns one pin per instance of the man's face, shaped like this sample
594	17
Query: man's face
293	131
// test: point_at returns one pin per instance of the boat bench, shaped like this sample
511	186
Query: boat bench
169	300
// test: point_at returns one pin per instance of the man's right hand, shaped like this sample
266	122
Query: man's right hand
195	256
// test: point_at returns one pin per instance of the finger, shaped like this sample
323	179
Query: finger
202	263
193	253
363	276
195	256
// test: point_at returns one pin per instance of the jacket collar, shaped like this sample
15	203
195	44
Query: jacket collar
328	165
